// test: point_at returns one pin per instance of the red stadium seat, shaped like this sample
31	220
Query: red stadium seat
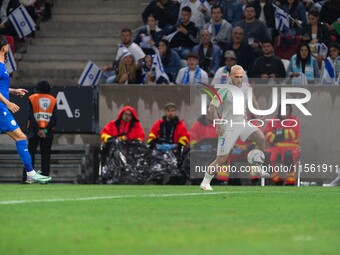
285	46
10	40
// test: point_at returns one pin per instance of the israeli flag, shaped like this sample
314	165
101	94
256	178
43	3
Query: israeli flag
321	49
328	76
157	66
90	75
10	63
281	19
171	36
22	21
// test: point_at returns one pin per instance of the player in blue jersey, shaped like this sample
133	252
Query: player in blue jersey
7	123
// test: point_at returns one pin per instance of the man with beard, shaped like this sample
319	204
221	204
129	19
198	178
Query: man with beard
169	132
209	54
268	66
126	45
126	127
229	133
244	53
185	36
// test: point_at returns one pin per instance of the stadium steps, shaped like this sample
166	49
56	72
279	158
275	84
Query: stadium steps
69	163
80	30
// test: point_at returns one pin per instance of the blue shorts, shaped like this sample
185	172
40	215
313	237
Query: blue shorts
7	122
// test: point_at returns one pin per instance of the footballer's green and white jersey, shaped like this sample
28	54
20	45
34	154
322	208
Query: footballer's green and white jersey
227	103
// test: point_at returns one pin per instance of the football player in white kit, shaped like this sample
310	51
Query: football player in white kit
228	134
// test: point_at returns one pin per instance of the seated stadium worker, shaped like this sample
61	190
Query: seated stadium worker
284	144
202	128
126	127
169	132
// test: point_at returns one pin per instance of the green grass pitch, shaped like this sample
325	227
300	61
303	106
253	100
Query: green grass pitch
98	219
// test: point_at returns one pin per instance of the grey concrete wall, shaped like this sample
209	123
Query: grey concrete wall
320	139
320	133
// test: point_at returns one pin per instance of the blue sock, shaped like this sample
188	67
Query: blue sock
24	154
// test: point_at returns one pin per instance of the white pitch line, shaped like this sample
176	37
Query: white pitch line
11	202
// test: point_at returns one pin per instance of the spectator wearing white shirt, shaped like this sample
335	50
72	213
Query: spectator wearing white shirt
193	74
126	44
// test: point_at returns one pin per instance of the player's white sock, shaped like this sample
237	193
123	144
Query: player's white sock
31	173
207	178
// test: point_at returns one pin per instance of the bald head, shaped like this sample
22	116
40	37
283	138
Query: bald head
236	75
236	70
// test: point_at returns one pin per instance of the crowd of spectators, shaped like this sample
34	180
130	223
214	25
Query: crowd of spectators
244	29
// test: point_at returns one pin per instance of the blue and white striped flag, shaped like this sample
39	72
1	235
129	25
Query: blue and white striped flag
90	75
157	66
171	36
281	19
10	63
328	76
22	21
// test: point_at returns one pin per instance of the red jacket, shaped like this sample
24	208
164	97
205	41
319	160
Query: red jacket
201	129
180	133
291	134
132	130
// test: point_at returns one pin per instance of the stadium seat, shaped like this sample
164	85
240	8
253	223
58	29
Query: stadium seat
285	46
286	63
10	40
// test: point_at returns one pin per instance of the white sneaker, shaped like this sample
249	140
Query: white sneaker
205	186
38	178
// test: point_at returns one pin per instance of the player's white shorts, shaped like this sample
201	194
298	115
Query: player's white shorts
230	136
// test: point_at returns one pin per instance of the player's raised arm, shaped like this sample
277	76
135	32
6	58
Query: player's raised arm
18	92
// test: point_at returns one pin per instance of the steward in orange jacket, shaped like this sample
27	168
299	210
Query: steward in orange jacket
283	137
126	127
41	122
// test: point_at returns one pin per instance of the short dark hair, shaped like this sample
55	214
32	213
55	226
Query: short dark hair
43	87
250	5
193	55
153	15
3	41
186	9
126	30
216	7
267	41
314	12
335	45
